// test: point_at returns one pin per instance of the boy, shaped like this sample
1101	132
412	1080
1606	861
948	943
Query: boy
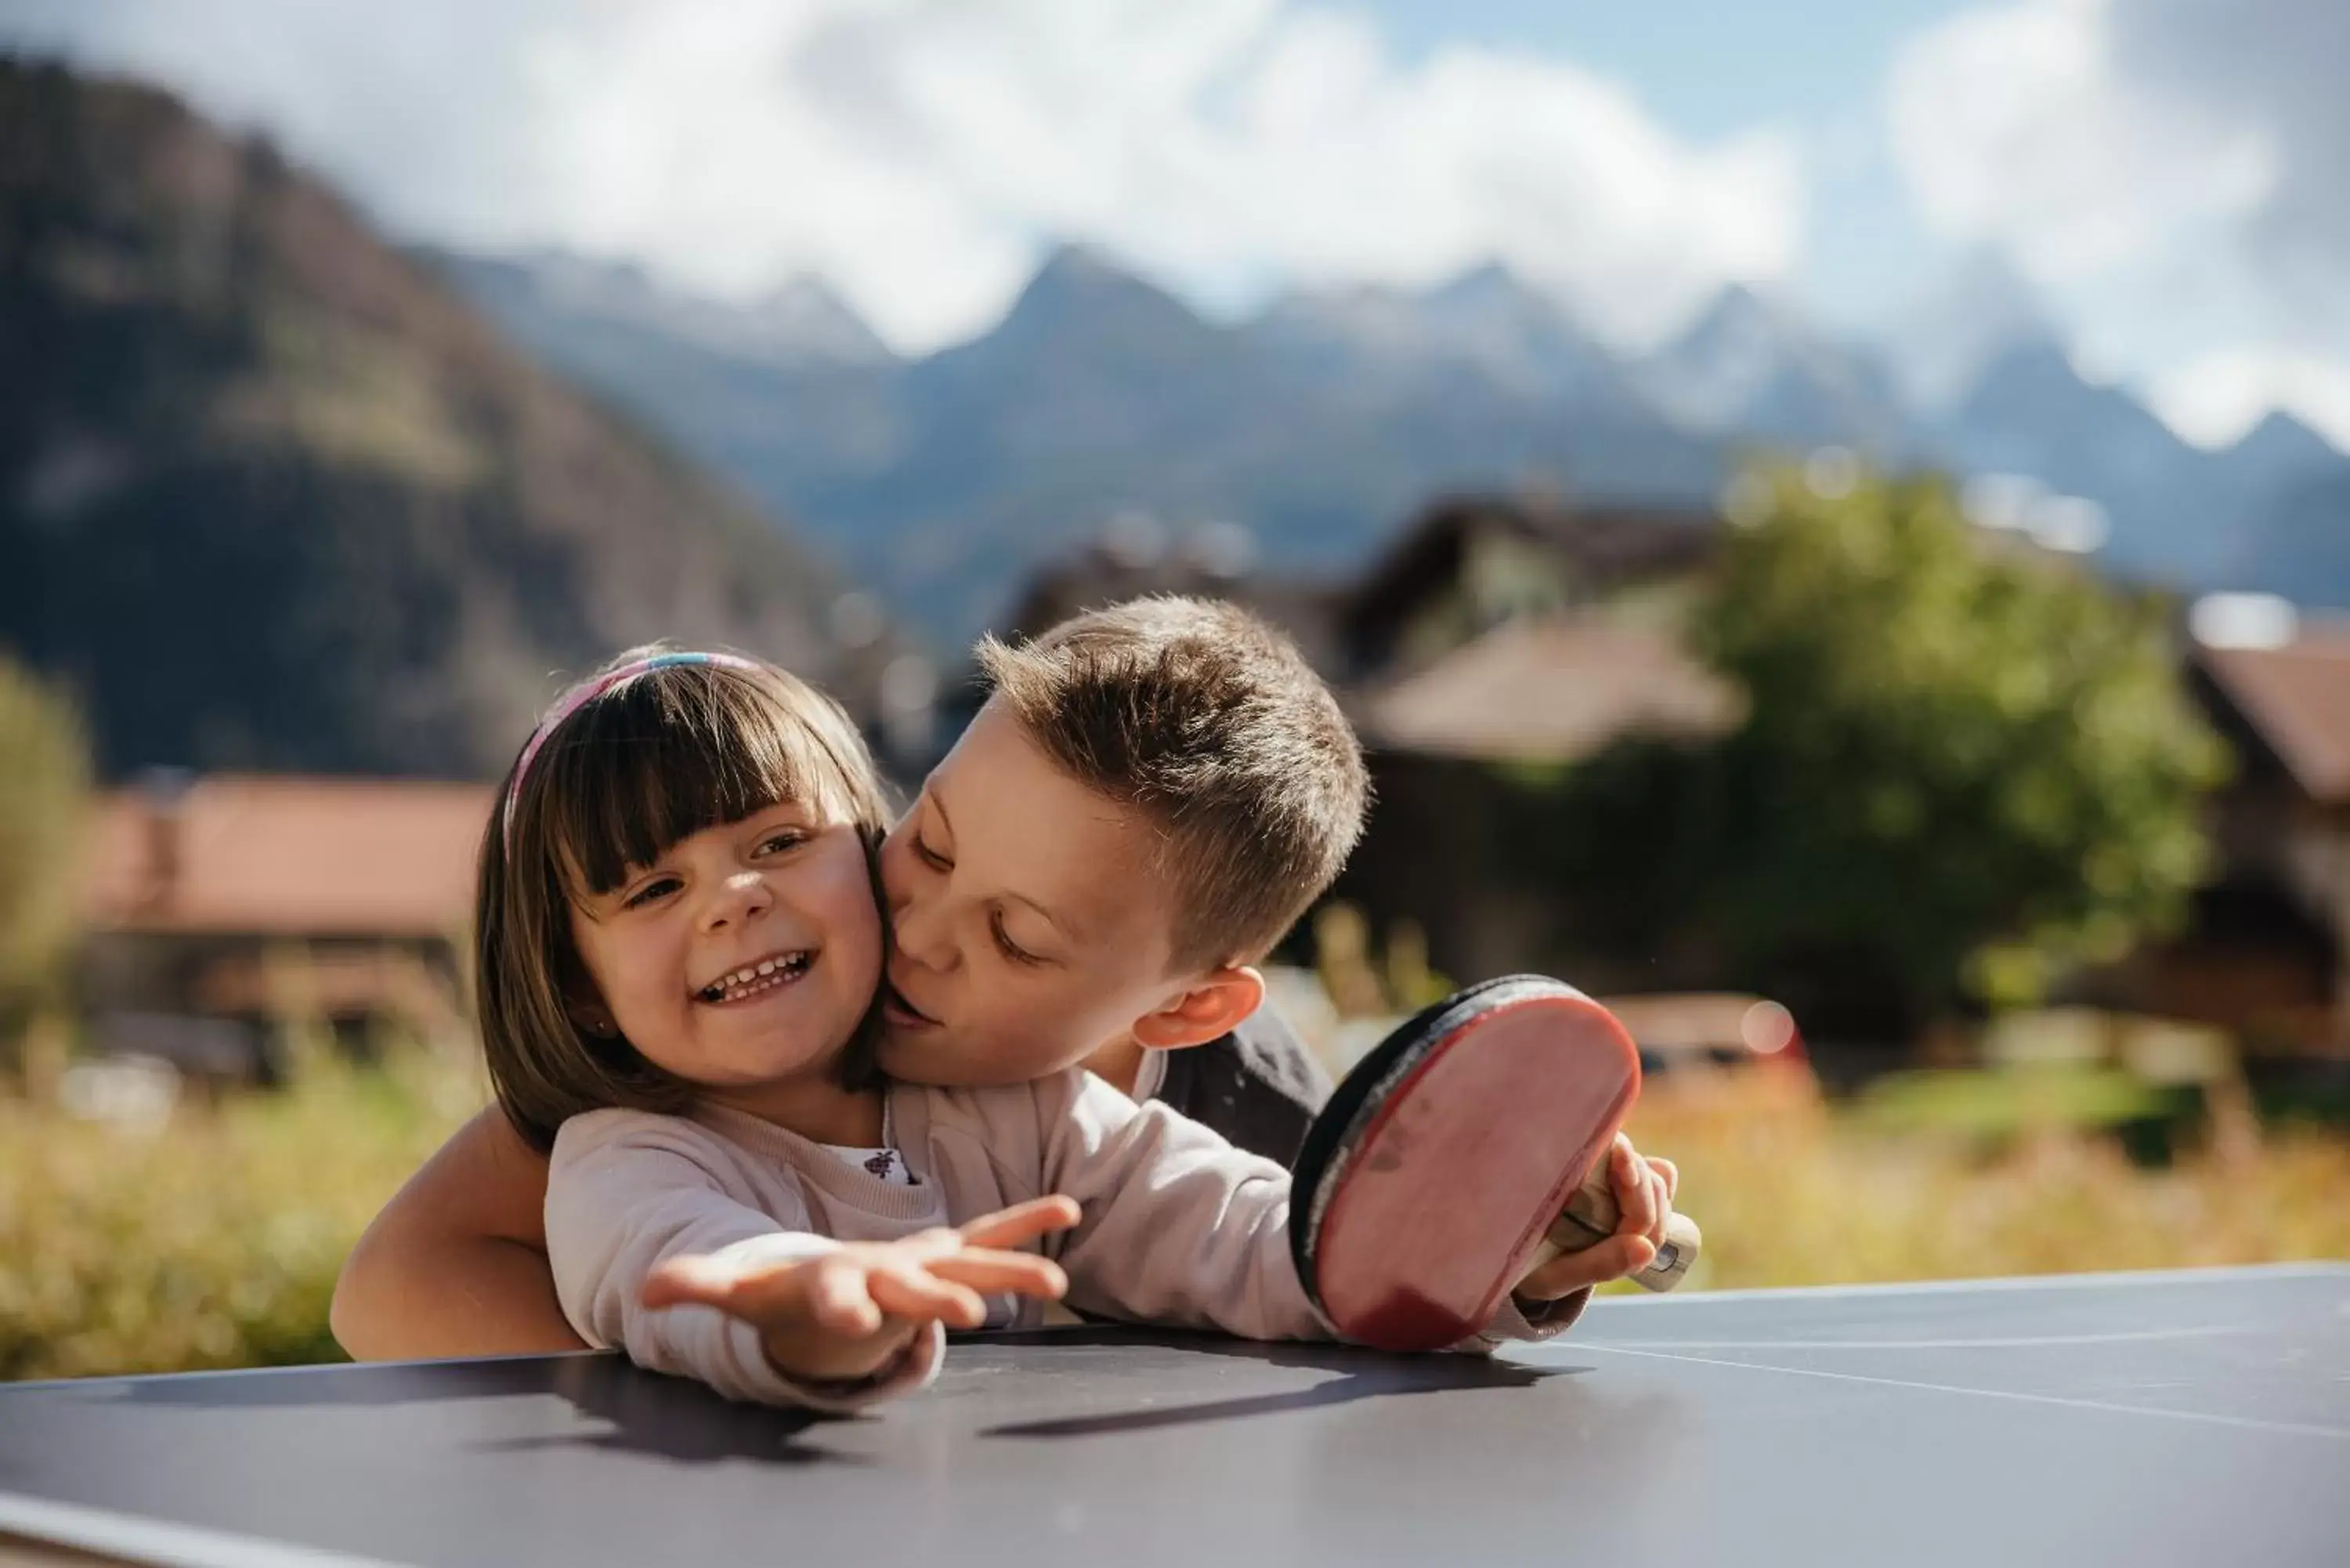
1149	798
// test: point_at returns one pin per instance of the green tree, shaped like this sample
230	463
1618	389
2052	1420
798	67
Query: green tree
44	773
1964	768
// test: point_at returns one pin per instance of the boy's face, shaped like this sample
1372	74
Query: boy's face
1031	928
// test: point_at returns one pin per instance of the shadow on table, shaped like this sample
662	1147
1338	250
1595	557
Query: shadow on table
1360	1375
675	1419
668	1417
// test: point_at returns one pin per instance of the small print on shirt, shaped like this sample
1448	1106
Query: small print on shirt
886	1163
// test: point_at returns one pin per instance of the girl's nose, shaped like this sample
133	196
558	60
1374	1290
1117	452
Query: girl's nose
739	896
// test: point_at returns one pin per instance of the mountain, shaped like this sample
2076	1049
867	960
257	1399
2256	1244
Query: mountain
2292	488
1485	327
1756	371
1319	425
271	497
1940	342
795	399
2032	413
1311	430
800	322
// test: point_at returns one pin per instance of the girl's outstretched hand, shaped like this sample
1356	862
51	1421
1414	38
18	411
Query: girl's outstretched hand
849	1311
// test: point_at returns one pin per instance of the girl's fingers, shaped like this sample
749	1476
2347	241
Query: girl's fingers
907	1290
838	1299
1022	1273
690	1282
765	1290
1022	1223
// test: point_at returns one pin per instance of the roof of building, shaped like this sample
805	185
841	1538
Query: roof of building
1553	689
286	856
2297	698
1095	577
1610	544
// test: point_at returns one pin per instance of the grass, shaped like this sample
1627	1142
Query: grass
213	1240
1792	1192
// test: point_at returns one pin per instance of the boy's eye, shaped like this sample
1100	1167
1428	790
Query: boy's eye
651	890
776	843
1005	945
929	856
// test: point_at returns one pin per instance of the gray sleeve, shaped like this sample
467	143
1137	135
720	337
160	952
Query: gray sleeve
1259	1086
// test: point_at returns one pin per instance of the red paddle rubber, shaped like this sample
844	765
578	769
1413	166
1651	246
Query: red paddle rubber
1444	1186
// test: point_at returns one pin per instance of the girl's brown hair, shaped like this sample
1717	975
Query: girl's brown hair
659	757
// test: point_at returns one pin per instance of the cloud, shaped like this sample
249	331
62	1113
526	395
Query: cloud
918	154
2214	399
2168	170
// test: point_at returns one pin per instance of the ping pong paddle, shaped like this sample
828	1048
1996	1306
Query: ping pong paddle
1465	1149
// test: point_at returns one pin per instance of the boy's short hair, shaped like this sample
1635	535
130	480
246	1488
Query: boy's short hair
1212	723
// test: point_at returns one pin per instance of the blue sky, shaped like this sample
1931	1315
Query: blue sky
1711	68
2163	176
1708	67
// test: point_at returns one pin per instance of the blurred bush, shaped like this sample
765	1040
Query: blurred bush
213	1239
45	771
1965	766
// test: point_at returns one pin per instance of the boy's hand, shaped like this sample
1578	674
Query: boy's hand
1643	1196
848	1313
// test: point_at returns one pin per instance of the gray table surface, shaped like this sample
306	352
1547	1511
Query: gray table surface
2138	1419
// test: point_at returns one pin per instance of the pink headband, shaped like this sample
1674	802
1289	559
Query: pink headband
587	691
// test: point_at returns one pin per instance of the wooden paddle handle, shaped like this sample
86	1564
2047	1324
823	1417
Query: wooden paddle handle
1590	1217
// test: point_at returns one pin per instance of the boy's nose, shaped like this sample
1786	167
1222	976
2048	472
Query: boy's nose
920	934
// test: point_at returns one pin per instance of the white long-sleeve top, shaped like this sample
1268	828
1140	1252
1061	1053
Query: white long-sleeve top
1179	1228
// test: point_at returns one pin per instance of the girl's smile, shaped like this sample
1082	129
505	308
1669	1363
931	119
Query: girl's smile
744	958
774	970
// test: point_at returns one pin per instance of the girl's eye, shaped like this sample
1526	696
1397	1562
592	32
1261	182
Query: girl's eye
777	841
650	891
1006	946
929	856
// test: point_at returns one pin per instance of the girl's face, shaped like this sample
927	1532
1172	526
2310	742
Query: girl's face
743	958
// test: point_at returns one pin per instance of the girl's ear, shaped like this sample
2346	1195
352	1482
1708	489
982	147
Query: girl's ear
593	1018
583	1004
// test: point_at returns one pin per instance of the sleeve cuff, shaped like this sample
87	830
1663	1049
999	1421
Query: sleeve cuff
912	1370
1521	1319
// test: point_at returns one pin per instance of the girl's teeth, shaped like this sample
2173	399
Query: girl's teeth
751	979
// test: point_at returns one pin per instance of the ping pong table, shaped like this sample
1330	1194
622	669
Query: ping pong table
2139	1419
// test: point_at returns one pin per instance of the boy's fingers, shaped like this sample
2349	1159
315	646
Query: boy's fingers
838	1299
1022	1223
1022	1273
1673	1175
1635	1199
906	1290
1610	1260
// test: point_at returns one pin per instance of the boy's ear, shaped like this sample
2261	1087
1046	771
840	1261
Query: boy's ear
1209	1008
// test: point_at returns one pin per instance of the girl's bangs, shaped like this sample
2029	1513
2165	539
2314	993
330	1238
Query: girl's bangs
665	755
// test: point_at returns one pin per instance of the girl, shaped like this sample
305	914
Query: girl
679	949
